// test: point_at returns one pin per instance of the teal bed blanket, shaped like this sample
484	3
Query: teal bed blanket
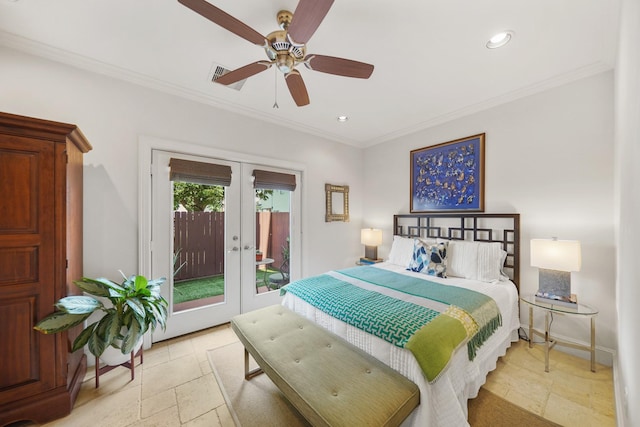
431	335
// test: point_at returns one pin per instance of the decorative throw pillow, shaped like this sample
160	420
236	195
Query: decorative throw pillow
429	259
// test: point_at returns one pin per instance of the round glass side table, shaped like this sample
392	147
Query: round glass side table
580	310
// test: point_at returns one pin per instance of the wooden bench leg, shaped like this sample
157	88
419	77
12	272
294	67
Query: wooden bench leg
248	374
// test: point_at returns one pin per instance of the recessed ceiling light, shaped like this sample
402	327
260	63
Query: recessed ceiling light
500	39
342	119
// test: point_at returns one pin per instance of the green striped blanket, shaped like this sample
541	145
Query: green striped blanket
432	336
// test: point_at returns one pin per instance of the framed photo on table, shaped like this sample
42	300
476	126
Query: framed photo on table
448	176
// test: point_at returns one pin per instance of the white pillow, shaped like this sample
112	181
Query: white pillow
401	251
462	259
481	261
490	261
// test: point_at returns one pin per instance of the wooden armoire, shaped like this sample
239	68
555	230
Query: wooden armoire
40	256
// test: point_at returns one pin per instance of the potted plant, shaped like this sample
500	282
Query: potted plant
137	307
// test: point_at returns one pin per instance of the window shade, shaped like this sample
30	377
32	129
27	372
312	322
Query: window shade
274	180
199	172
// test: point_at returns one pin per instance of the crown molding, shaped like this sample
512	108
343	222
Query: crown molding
92	65
587	71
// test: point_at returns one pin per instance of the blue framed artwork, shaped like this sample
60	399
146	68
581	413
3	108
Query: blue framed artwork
449	176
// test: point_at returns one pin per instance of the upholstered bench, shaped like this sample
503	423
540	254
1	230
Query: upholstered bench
330	381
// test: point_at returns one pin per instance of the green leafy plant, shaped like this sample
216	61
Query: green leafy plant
137	308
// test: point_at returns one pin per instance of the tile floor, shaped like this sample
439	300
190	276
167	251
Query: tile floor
175	387
569	394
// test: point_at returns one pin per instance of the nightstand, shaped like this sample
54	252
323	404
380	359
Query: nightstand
581	310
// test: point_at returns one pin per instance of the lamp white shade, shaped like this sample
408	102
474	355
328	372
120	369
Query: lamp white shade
371	237
552	254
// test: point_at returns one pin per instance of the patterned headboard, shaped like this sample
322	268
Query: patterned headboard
479	227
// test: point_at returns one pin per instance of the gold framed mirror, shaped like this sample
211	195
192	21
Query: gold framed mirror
337	202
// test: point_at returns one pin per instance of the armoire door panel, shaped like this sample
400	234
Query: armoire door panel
18	367
18	265
20	176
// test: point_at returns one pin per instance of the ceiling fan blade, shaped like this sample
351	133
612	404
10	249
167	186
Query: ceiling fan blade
225	20
297	88
307	18
338	66
243	72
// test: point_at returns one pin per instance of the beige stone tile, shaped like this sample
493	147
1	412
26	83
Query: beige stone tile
224	415
573	365
198	397
116	409
180	349
567	413
570	387
168	375
114	381
216	337
512	377
603	399
210	419
205	366
167	418
157	354
158	403
522	356
497	388
503	375
533	398
209	338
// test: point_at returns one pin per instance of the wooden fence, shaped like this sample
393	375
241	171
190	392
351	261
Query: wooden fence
199	241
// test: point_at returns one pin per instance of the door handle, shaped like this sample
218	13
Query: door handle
247	247
233	249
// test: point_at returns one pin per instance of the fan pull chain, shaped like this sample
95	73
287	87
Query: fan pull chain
275	96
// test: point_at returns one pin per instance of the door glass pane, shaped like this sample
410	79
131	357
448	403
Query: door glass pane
198	245
273	234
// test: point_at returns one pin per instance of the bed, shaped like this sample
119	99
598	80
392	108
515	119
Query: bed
480	253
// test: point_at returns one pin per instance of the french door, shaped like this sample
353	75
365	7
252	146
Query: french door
211	241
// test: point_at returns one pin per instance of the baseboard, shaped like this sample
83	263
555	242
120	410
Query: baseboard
619	395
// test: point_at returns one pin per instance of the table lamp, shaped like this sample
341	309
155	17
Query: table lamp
371	238
555	259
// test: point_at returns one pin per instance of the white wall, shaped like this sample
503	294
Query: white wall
627	93
113	114
549	157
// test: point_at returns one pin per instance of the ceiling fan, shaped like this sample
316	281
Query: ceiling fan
285	48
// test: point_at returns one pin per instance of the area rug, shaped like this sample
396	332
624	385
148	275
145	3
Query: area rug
259	402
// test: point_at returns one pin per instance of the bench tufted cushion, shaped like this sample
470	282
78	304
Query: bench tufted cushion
330	381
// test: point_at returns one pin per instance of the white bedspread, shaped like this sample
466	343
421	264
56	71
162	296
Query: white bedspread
444	402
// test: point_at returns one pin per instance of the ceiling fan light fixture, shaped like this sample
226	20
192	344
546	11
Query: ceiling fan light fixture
285	63
500	39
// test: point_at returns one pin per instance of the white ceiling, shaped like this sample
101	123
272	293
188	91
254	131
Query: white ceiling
431	63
